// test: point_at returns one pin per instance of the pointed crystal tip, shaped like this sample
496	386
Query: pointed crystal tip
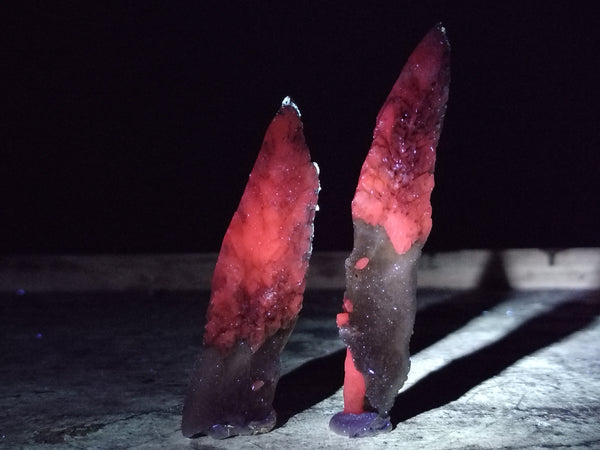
287	101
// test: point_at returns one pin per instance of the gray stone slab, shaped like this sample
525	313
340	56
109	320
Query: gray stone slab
490	369
577	268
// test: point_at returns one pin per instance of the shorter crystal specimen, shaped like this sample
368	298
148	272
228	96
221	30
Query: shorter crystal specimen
257	288
391	212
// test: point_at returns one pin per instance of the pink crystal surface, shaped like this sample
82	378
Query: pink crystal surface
396	179
257	288
259	278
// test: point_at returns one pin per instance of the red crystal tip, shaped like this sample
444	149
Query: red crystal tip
396	179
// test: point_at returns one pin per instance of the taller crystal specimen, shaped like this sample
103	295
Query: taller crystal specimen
391	212
257	288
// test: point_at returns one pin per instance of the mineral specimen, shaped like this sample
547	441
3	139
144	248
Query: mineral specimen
257	288
391	212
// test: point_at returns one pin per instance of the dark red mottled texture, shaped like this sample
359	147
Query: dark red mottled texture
396	179
258	281
257	289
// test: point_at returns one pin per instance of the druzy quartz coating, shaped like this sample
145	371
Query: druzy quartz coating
391	212
257	288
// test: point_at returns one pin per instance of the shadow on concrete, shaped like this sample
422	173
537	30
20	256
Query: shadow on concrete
455	379
437	321
320	378
308	385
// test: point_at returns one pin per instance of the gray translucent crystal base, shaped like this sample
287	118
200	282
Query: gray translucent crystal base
232	393
383	297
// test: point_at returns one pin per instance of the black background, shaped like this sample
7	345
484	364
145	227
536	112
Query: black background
132	126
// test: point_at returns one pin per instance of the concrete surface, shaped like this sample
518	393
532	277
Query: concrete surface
577	268
493	367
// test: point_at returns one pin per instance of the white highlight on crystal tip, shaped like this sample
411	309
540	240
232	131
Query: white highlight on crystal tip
287	101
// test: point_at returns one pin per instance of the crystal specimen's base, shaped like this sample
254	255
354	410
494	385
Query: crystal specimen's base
360	425
232	394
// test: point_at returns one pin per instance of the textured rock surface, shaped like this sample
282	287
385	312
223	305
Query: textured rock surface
491	369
